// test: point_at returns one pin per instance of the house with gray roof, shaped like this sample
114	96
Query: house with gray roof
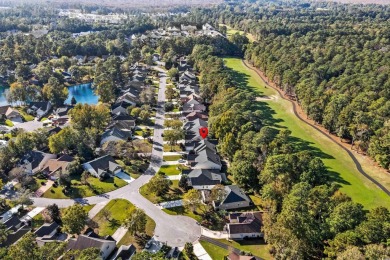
46	233
16	229
124	252
115	134
234	198
102	167
39	109
34	161
105	245
245	225
204	159
203	179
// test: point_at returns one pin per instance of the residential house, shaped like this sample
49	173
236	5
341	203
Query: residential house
16	229
203	179
7	112
60	115
39	109
187	89
102	167
128	98
195	115
34	161
120	107
234	198
53	166
124	252
204	159
245	225
196	145
105	245
193	105
46	233
115	134
235	256
123	121
187	75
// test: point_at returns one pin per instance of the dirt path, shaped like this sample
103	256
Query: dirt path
303	117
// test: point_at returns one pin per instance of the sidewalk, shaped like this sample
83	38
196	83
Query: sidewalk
119	234
95	210
174	177
200	252
43	188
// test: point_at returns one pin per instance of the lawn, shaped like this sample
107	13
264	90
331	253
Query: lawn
9	123
174	193
172	169
79	190
215	252
136	168
130	239
256	246
230	31
339	163
183	211
139	132
173	148
25	116
119	209
172	157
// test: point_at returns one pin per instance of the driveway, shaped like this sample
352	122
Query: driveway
29	126
173	230
127	178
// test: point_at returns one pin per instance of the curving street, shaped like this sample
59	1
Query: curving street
173	230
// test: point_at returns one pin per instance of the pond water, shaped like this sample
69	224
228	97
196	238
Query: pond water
3	99
83	93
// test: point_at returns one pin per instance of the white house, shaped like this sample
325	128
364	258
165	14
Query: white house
39	109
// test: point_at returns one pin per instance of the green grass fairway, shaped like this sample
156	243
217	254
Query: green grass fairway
230	31
339	163
215	252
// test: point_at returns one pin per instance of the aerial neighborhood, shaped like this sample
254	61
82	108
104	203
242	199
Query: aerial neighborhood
210	130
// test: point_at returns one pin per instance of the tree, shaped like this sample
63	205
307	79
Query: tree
74	219
84	178
345	216
73	101
218	193
158	184
26	248
136	223
351	253
52	250
172	136
170	93
192	199
55	92
173	73
144	115
54	213
183	182
189	251
24	198
4	232
106	214
92	253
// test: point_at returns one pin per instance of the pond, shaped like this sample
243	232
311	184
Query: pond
3	99
83	93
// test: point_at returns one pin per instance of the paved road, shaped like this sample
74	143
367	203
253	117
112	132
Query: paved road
174	230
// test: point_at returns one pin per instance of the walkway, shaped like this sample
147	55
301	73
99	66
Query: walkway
119	234
319	128
44	188
173	230
95	210
200	252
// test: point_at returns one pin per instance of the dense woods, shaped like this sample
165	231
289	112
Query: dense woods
334	59
306	217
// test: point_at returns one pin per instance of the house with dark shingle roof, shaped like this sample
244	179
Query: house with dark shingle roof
34	161
106	246
245	225
124	252
234	198
204	159
39	109
16	229
54	166
203	179
102	167
115	134
46	233
7	112
120	107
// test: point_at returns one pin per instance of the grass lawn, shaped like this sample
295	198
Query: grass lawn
135	170
120	210
139	132
256	246
9	123
339	163
183	211
172	157
130	239
25	116
78	190
230	31
174	193
174	148
44	119
215	252
176	110
172	169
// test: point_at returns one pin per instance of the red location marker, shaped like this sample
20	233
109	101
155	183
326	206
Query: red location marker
203	131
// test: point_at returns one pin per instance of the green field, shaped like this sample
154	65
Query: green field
256	246
215	252
230	31
339	163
